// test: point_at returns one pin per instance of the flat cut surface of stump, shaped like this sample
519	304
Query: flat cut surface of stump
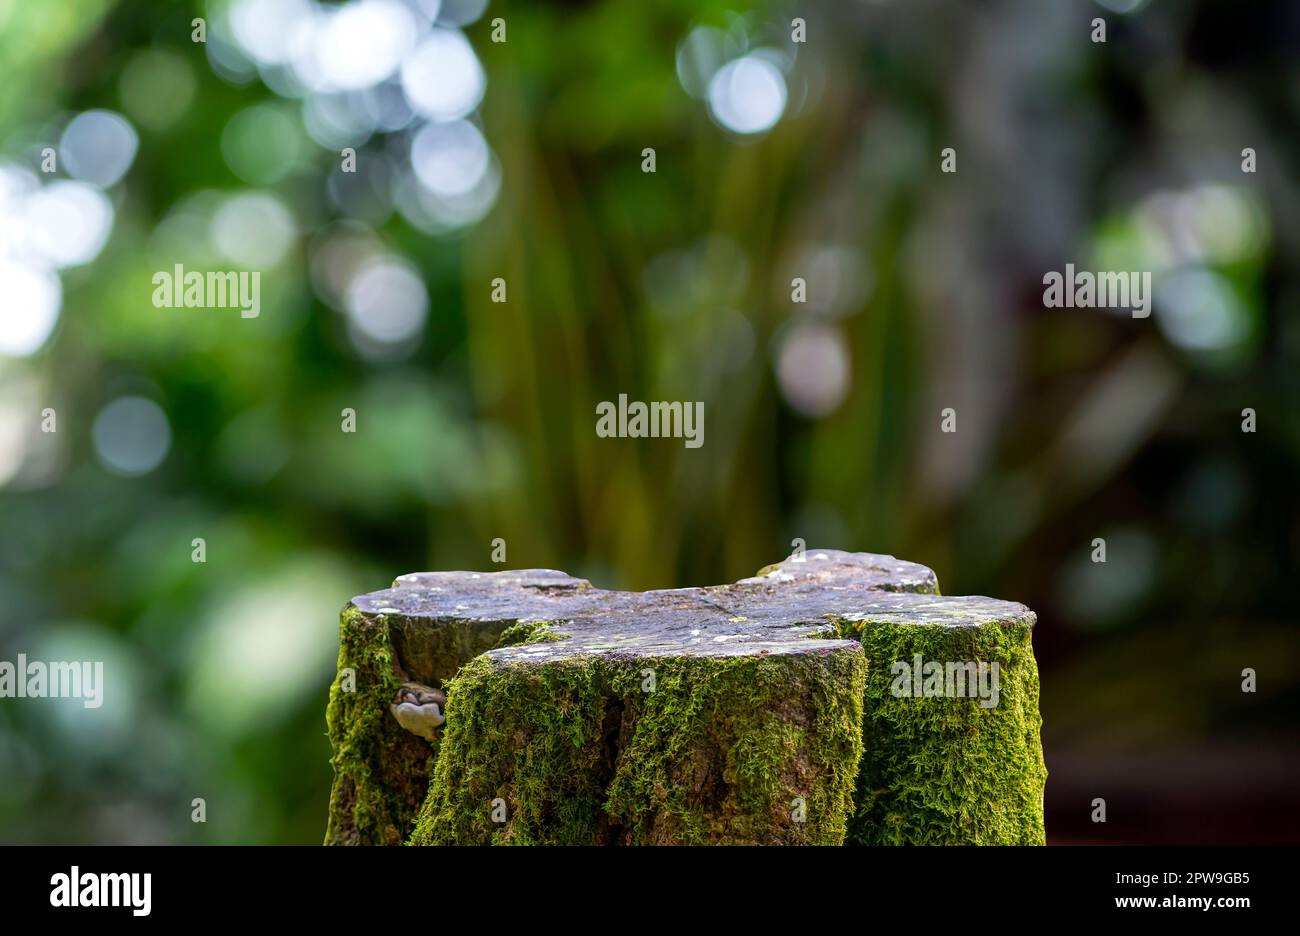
789	608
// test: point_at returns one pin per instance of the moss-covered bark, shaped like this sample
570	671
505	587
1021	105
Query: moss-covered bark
719	749
949	771
381	771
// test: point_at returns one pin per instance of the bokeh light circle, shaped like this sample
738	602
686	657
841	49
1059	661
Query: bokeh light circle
32	300
747	95
131	436
387	302
450	159
442	78
98	147
813	369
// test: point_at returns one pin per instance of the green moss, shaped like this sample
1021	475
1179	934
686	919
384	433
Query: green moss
529	632
529	736
946	770
381	771
721	749
778	734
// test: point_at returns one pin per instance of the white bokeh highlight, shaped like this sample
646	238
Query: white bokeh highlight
68	223
360	44
32	301
98	147
442	78
254	230
748	95
131	436
387	305
450	159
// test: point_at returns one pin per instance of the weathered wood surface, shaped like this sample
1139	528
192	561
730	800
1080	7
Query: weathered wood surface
751	728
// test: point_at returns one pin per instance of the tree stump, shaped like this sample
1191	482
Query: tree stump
799	706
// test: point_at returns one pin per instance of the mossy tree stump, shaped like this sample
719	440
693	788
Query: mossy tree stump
768	711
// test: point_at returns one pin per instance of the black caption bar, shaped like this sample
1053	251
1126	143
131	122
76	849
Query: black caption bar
410	886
